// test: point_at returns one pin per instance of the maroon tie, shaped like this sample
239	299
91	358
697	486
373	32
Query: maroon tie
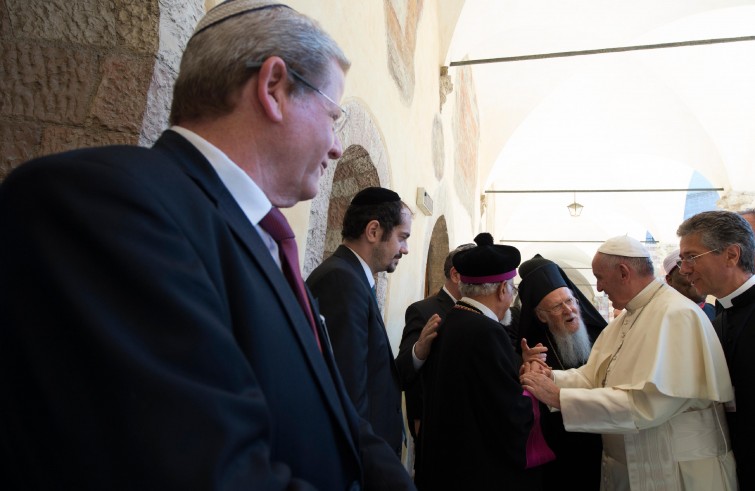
277	226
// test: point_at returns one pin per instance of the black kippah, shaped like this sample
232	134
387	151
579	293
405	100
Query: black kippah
375	196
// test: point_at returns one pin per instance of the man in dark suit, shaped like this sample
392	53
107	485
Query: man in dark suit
376	227
148	336
422	319
717	256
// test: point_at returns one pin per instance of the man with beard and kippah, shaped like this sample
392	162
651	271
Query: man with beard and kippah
561	324
653	387
376	227
477	421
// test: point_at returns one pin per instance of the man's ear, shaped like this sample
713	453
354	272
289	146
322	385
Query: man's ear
623	271
373	232
732	253
502	290
272	87
455	276
540	316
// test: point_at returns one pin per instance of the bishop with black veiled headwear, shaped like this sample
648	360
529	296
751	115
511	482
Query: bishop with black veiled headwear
556	315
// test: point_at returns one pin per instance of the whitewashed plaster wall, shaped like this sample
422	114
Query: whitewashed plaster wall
406	132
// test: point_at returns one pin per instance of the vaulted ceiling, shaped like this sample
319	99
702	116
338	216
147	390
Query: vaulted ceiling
670	118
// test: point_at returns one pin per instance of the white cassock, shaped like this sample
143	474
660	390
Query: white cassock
653	387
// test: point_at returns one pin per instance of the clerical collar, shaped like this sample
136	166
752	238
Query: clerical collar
367	270
726	301
449	294
644	297
481	307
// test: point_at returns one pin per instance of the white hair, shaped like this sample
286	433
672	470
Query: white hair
482	289
573	348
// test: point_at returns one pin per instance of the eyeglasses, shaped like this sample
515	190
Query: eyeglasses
569	303
338	122
691	260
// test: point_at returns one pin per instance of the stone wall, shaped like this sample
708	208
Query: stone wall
86	72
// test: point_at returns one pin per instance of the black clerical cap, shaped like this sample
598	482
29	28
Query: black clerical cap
540	276
488	262
375	196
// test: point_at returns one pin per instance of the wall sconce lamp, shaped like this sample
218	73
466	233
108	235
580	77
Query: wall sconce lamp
575	209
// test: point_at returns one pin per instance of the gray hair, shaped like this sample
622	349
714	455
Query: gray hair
719	229
448	263
641	265
482	289
213	66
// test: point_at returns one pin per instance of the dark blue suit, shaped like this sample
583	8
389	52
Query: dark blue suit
360	343
149	341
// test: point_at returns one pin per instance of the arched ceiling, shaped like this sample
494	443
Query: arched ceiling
661	119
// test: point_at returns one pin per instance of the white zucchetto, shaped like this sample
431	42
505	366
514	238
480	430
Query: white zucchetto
625	246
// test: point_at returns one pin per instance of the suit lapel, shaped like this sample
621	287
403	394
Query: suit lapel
445	299
345	253
201	172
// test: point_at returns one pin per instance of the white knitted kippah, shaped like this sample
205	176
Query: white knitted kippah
625	246
670	262
232	8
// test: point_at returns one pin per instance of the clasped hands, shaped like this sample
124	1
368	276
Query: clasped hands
537	377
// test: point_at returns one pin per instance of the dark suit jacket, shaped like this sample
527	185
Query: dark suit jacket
736	329
710	310
476	422
360	342
149	341
416	317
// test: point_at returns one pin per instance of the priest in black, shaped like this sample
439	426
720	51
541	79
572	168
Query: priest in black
716	255
556	316
476	421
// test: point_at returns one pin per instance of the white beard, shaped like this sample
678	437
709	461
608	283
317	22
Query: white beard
506	321
573	349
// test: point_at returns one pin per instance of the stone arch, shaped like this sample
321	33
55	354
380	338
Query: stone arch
437	251
364	163
354	172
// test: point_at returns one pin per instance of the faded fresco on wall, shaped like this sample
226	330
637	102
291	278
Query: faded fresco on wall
466	130
402	18
438	147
